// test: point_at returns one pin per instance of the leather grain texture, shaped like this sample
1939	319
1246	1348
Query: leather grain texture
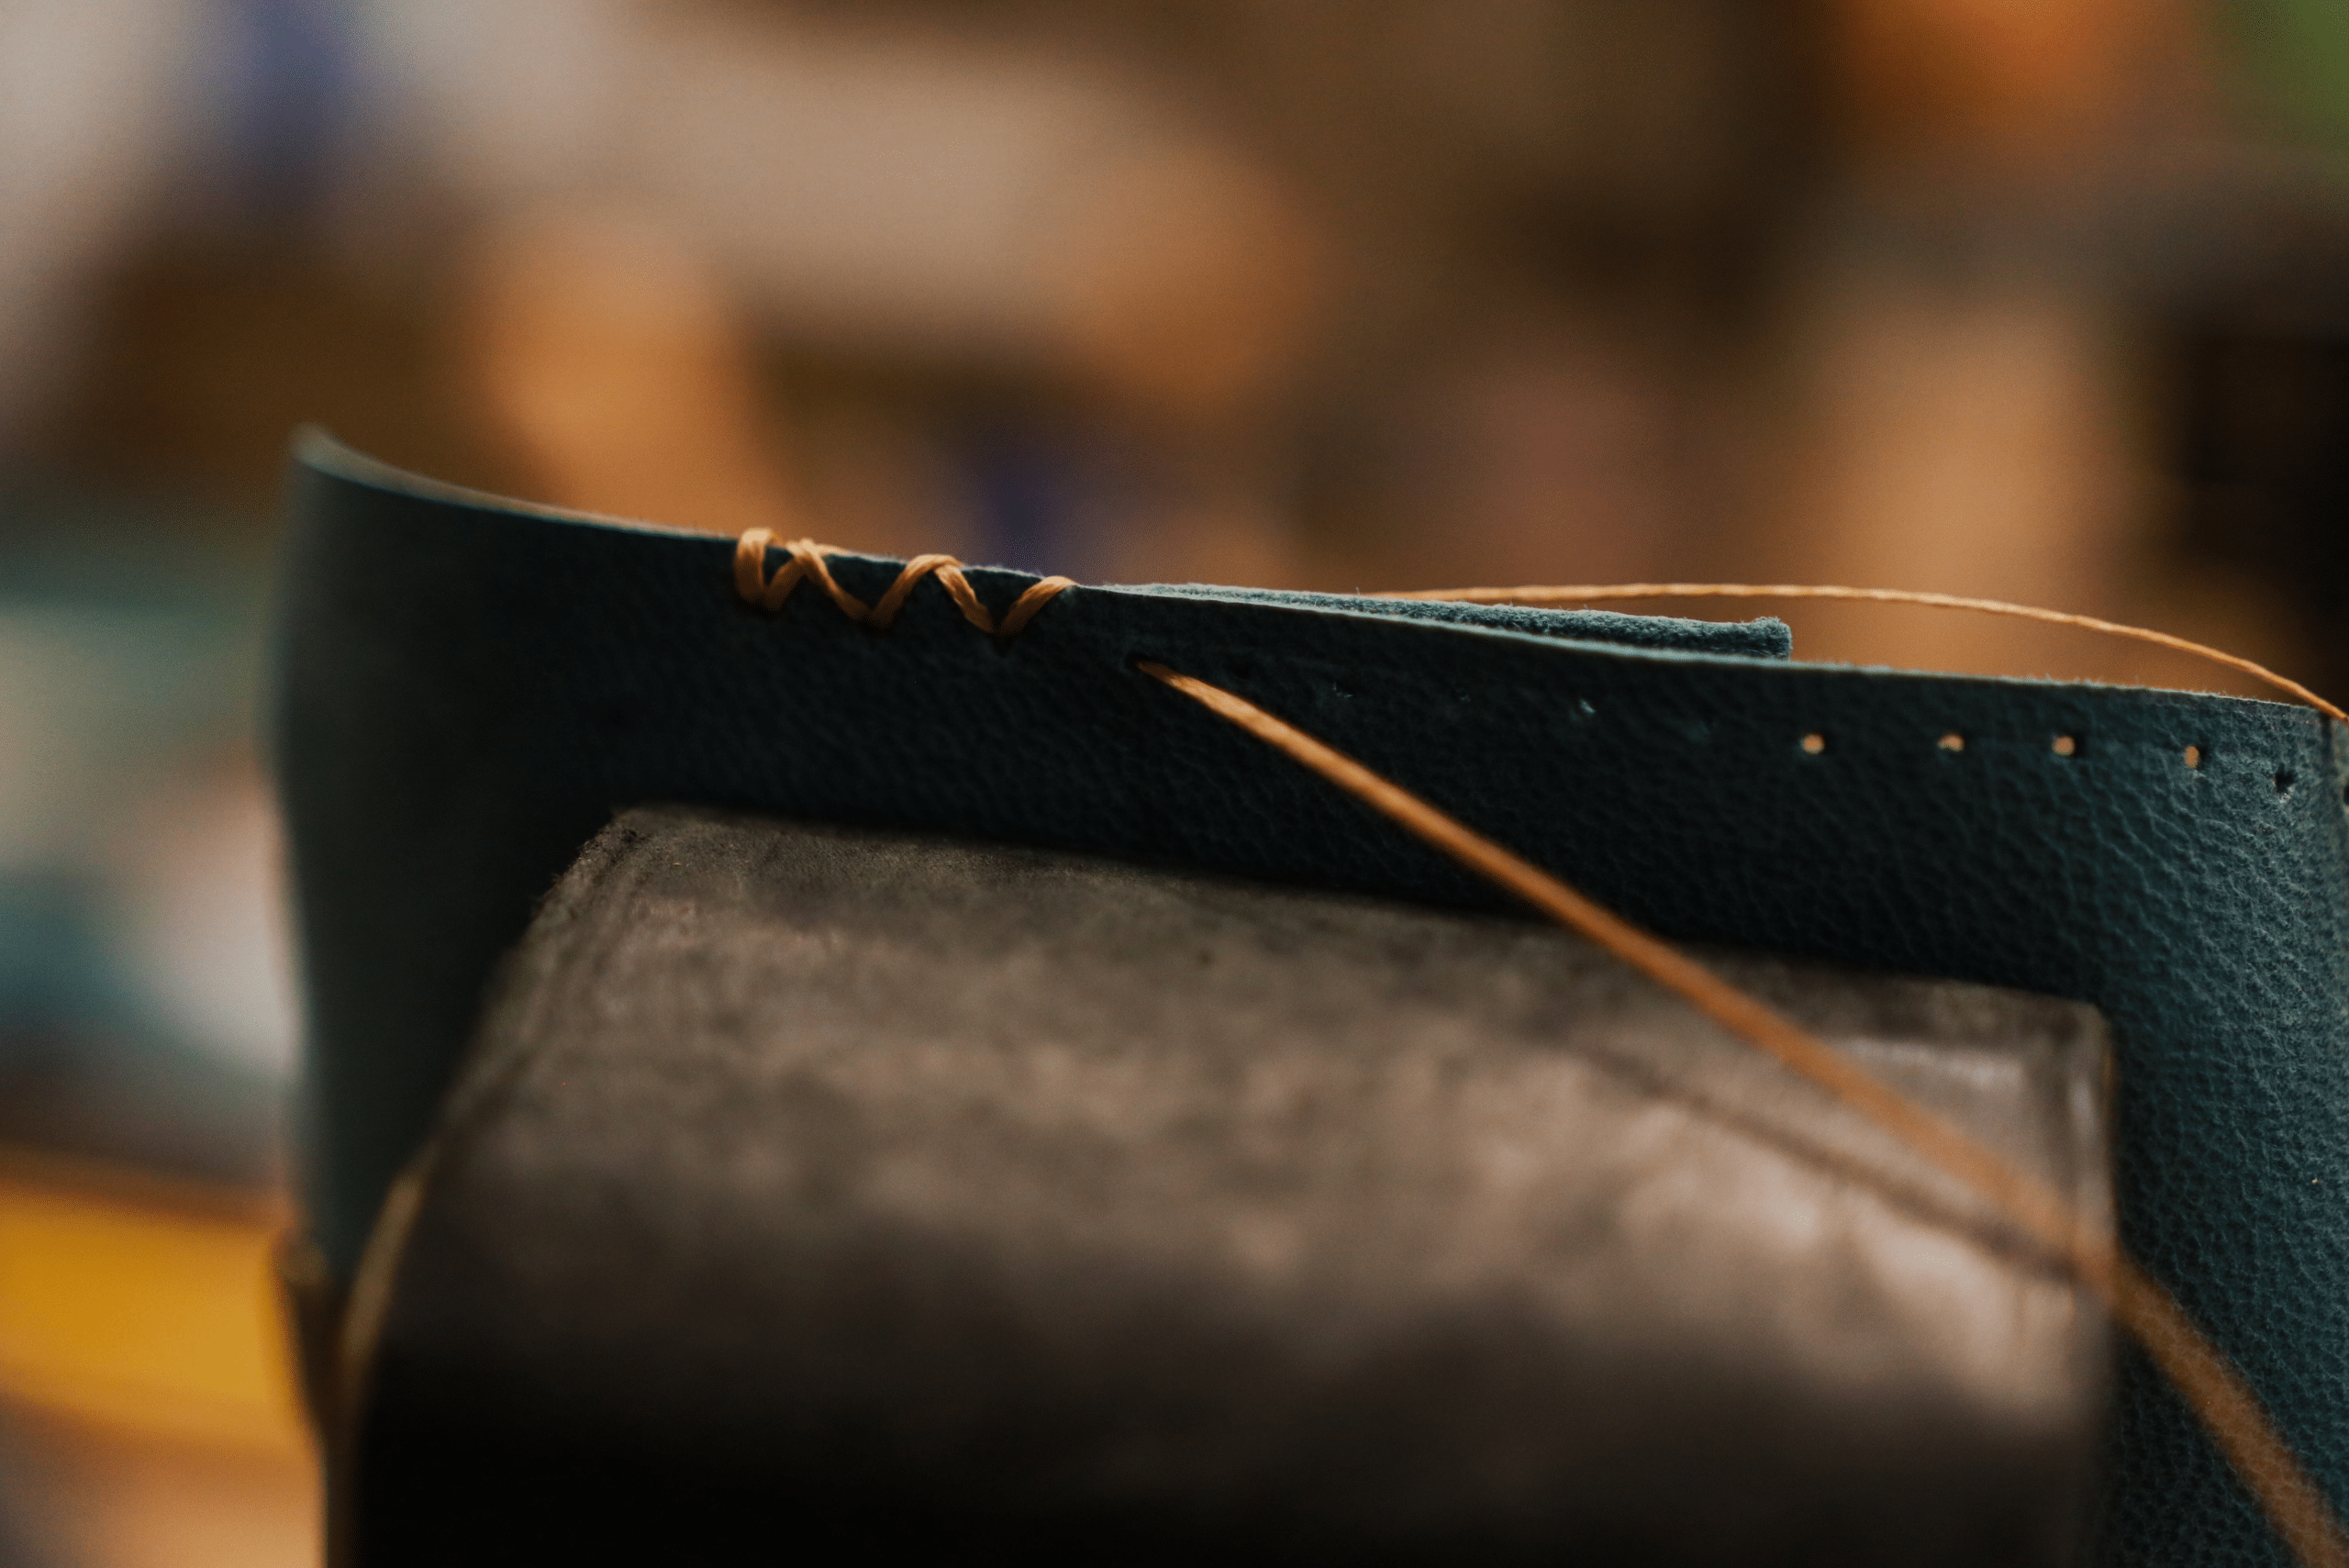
468	691
917	1200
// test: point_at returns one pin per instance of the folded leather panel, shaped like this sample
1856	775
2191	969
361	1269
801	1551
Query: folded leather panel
468	691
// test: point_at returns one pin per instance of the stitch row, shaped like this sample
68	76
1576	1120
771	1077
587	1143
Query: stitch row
806	564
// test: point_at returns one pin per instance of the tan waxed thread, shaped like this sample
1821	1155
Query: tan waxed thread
2210	1383
1023	609
361	1331
949	572
807	562
1543	594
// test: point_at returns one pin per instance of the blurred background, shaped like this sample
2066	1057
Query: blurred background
2036	299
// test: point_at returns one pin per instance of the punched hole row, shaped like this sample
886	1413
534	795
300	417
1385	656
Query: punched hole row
1815	742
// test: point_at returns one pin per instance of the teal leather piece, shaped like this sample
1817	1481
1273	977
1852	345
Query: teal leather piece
468	691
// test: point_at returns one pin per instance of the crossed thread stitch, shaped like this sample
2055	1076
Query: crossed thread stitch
806	564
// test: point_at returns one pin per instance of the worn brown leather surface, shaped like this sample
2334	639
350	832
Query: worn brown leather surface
814	1194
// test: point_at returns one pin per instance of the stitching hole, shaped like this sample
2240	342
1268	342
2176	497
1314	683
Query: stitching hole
2284	781
2067	746
1953	741
1814	743
2194	756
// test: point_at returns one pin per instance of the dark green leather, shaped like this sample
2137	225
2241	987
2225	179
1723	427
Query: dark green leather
468	691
